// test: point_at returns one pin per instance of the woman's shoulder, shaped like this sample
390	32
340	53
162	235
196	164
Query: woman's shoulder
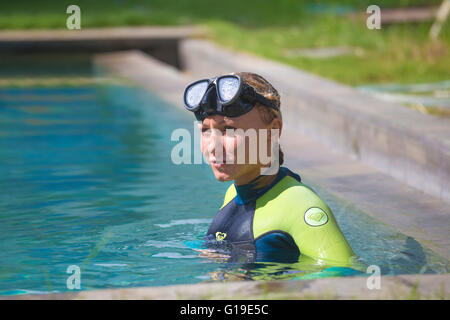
288	191
229	195
291	191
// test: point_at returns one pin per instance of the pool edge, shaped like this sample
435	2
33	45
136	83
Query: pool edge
400	287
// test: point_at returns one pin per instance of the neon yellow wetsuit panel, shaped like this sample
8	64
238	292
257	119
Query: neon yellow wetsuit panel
289	215
287	207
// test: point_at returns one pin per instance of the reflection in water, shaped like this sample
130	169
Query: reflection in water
413	250
306	268
239	263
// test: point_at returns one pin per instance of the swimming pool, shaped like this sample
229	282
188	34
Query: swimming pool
87	180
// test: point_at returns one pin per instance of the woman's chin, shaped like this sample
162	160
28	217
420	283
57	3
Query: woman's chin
223	174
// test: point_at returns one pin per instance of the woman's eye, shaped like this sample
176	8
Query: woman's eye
222	131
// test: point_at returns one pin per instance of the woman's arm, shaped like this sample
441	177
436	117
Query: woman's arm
300	213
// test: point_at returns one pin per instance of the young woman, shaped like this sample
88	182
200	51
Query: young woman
265	216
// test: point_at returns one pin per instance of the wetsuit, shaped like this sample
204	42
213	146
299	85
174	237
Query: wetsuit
280	222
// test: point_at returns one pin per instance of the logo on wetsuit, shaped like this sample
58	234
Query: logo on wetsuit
220	236
315	217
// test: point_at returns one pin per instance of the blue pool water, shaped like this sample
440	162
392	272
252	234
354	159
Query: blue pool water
87	180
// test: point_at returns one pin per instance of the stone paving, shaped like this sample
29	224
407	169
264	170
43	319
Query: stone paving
398	287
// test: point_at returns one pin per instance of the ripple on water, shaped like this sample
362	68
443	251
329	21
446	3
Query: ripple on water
111	265
165	244
183	222
174	255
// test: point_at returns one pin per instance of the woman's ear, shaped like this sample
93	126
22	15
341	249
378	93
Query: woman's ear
276	124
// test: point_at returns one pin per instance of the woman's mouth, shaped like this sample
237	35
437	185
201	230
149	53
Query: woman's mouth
217	165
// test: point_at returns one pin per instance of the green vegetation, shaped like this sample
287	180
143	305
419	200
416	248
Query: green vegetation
399	53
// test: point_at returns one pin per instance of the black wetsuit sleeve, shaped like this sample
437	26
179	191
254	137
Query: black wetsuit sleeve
276	246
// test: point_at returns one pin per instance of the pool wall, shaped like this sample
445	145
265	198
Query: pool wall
160	42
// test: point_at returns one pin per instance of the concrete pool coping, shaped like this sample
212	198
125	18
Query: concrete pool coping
391	288
13	39
160	42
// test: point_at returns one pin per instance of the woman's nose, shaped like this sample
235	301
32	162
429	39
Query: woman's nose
215	144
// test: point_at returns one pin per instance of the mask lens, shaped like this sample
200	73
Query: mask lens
228	88
195	93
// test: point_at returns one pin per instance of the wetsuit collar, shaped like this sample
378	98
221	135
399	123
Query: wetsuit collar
250	191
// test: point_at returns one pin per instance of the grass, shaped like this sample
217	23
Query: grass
398	53
401	54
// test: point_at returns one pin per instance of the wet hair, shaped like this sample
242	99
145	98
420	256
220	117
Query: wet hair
263	87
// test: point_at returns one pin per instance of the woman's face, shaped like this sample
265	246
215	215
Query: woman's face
216	144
